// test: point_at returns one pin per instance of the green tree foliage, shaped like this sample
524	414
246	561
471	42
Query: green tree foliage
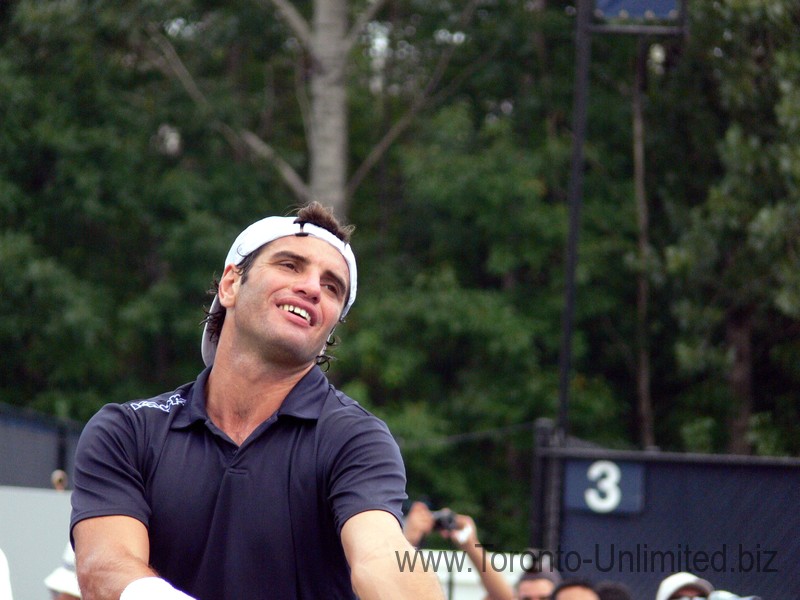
465	318
734	263
115	201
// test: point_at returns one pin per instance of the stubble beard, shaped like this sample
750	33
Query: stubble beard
286	351
283	353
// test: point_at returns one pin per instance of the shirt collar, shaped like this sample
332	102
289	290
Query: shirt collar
305	401
307	397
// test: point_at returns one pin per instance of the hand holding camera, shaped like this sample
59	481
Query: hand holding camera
457	527
420	521
444	519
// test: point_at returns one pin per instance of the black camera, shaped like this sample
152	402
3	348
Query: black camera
444	520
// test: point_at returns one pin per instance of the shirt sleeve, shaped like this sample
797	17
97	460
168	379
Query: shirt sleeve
108	478
366	470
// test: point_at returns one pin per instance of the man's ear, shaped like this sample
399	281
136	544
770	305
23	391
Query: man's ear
229	286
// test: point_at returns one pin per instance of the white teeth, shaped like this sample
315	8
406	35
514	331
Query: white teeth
297	311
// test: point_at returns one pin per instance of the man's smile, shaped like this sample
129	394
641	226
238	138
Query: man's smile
296	310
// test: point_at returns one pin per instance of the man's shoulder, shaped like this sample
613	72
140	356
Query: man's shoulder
346	415
339	402
165	402
147	409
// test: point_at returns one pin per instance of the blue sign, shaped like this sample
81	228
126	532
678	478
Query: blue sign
638	9
604	486
731	520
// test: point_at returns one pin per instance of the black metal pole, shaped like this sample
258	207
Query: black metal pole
542	432
581	93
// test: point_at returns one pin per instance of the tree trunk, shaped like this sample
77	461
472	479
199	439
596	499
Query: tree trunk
644	399
545	84
328	128
328	43
739	336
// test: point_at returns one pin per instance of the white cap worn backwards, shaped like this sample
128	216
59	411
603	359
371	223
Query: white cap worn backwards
265	231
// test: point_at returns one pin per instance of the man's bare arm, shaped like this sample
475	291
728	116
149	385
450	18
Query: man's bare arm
374	546
110	553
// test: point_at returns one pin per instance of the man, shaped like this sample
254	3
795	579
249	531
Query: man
259	479
683	585
613	590
537	585
575	589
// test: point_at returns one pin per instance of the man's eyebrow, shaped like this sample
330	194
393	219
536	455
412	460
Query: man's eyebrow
299	258
288	254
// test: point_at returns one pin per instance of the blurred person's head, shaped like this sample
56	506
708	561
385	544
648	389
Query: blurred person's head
575	589
613	590
683	585
535	589
537	585
59	479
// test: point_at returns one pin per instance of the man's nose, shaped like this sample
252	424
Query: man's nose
309	283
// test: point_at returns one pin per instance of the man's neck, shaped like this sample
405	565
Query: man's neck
241	397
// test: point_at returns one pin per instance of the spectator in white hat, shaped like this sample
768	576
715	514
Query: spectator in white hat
683	585
62	582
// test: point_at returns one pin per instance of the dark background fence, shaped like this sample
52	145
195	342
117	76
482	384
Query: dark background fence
34	445
637	517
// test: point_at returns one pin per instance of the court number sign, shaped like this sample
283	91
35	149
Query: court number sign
604	486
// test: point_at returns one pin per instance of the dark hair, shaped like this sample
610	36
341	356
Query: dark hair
573	582
613	590
532	575
541	567
314	213
318	215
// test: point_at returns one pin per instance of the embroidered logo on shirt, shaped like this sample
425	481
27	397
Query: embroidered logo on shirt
174	400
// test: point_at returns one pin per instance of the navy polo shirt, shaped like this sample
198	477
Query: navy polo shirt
260	520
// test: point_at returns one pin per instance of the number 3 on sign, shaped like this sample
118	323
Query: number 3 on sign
606	495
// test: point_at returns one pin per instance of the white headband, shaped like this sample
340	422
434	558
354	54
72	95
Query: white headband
265	231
